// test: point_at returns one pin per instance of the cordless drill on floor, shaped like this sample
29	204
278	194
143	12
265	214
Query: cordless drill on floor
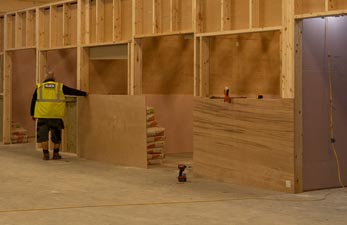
181	175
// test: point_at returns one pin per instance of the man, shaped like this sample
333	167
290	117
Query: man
48	107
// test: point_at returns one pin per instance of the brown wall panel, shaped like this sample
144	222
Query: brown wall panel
64	65
23	87
249	64
108	77
168	65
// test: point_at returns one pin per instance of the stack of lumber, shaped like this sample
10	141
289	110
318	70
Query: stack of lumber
155	139
18	133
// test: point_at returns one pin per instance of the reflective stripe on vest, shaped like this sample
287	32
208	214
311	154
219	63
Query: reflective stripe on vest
50	101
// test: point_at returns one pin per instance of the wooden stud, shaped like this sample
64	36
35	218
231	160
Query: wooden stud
287	77
196	66
117	20
326	7
43	67
129	69
66	25
83	69
136	61
100	21
204	66
138	14
298	109
7	99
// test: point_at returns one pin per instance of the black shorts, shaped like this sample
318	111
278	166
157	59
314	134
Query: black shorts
46	125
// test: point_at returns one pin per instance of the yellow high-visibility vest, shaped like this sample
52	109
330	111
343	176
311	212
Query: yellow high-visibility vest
50	102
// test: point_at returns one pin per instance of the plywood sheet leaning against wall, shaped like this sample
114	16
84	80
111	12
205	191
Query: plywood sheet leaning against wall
112	128
249	142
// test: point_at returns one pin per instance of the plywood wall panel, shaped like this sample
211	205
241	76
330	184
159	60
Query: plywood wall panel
175	75
108	77
113	129
64	65
248	64
249	142
23	87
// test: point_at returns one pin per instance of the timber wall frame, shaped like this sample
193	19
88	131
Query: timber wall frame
83	24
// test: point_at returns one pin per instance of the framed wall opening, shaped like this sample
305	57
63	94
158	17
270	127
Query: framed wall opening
249	64
169	88
108	68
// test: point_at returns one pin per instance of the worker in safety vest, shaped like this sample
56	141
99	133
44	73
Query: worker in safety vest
48	107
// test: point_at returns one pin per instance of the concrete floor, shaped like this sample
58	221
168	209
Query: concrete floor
80	192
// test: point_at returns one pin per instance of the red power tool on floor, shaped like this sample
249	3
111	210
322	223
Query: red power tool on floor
181	175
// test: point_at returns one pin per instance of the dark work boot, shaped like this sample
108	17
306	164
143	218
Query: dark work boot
45	154
56	155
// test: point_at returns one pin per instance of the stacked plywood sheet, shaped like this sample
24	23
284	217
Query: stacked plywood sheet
155	139
18	133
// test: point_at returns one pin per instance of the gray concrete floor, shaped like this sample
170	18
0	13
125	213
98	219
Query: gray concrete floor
80	192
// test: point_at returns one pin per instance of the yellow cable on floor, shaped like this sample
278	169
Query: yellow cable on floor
332	138
166	203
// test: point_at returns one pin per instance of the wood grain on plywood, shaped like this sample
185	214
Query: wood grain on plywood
175	75
249	64
113	129
248	142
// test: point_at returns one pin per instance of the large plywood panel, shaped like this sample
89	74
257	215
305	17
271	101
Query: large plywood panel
113	129
23	87
108	77
248	142
319	164
175	75
175	114
63	63
249	64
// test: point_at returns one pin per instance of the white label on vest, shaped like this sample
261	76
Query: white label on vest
49	85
